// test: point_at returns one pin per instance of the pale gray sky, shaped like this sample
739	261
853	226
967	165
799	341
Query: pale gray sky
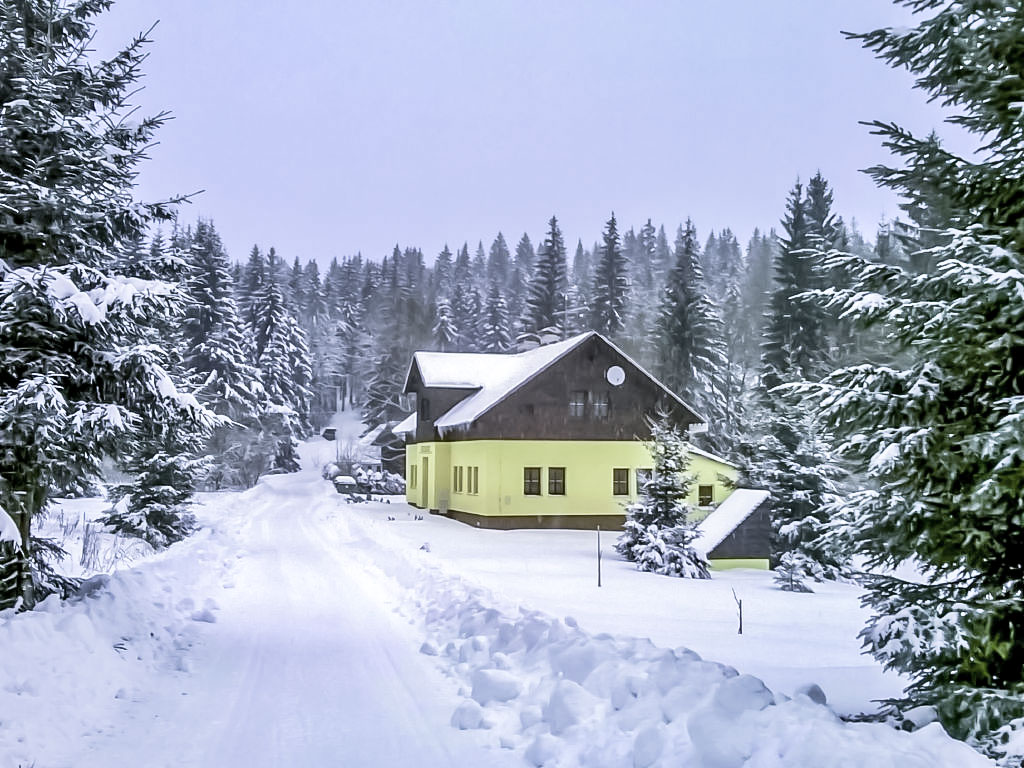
325	128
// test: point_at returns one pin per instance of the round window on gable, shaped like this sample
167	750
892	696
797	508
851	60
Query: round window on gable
615	375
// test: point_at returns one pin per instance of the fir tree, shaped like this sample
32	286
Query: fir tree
793	347
78	374
499	263
546	297
522	274
446	334
939	434
254	277
691	358
608	296
581	267
214	349
443	273
164	459
658	534
495	334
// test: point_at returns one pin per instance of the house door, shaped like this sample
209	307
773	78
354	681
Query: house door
425	498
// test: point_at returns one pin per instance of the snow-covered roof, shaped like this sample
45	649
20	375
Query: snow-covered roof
405	426
729	515
708	455
454	370
495	377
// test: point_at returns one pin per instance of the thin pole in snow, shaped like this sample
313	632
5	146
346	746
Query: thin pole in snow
599	555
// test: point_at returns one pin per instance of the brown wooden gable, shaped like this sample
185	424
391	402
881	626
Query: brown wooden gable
439	401
540	408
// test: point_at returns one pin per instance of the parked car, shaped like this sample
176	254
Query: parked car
346	484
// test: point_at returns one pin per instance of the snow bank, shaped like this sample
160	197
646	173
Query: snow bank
67	669
563	697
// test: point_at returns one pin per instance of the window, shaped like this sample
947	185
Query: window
620	482
457	478
461	477
474	479
556	481
425	409
578	403
412	476
531	481
602	405
643	476
705	495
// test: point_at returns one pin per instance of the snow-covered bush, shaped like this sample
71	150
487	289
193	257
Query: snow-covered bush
795	569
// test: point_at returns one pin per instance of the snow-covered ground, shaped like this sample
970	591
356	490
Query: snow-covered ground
297	629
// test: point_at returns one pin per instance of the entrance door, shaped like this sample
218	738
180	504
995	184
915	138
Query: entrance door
425	498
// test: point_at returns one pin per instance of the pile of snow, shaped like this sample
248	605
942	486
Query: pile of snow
564	697
66	668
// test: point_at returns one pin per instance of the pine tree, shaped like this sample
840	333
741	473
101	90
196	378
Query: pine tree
214	349
442	275
78	374
789	457
608	296
939	433
499	263
794	346
546	296
691	356
658	534
581	268
522	274
254	277
164	459
446	333
495	334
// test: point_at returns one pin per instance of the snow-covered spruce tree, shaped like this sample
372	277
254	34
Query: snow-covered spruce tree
940	433
691	355
658	536
282	353
495	335
446	334
546	291
78	375
608	294
499	263
788	457
522	274
164	458
214	352
787	453
794	342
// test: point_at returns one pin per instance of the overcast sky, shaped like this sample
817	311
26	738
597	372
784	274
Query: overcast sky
325	128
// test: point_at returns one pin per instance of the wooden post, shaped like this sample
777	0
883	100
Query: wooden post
739	603
599	555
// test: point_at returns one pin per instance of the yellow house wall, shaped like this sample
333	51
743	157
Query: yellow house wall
588	475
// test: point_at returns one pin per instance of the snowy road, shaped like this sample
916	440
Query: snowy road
306	664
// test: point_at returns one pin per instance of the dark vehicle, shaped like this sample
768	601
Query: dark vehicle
346	484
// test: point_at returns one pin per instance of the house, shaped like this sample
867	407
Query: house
546	438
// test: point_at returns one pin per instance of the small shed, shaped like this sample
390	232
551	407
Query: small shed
738	533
